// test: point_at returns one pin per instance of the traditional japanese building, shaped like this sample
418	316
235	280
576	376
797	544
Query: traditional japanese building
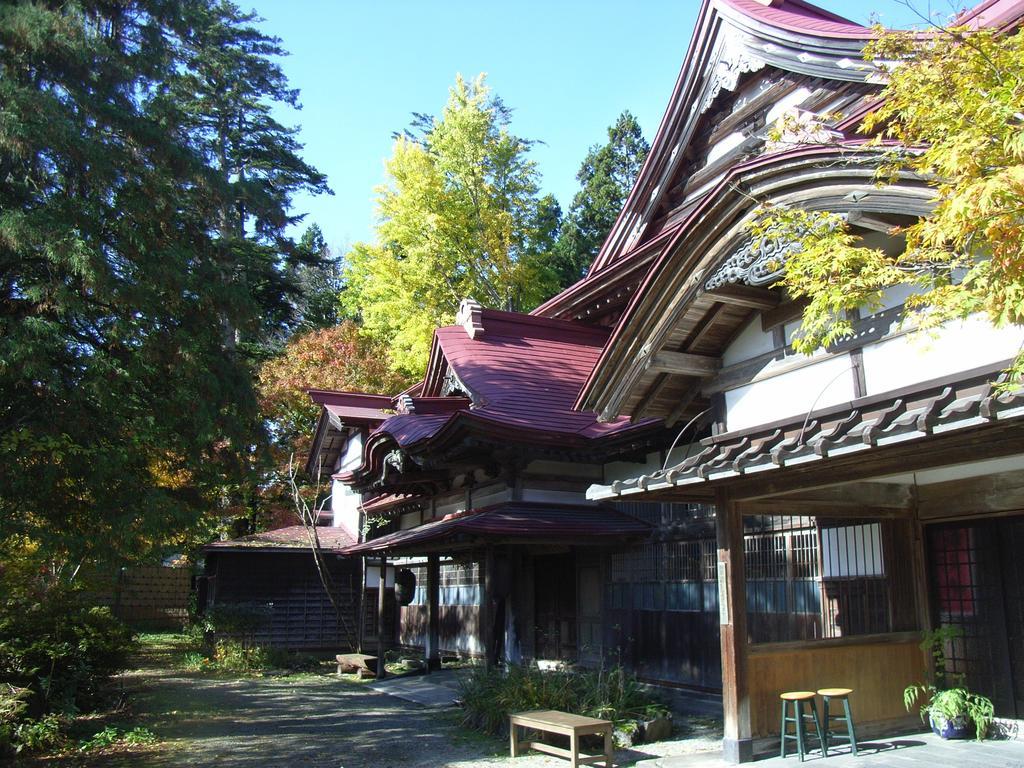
862	494
642	471
475	482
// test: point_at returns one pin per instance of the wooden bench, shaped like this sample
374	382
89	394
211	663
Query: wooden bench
573	726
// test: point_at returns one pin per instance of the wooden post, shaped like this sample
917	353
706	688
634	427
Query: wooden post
487	607
381	601
433	647
737	744
361	607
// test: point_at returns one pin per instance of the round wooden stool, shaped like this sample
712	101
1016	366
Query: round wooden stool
827	694
798	699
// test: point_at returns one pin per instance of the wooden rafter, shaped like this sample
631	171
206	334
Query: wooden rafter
684	364
746	296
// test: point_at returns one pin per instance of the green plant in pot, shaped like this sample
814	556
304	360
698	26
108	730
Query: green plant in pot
952	711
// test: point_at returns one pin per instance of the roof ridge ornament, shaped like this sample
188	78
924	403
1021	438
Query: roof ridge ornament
470	317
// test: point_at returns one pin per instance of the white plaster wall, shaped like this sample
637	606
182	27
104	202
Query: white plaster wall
724	145
556	497
825	382
373	577
786	102
486	496
750	343
345	506
625	470
450	505
959	346
345	502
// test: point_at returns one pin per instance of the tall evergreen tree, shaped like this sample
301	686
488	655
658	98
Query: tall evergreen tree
318	274
226	92
121	414
606	178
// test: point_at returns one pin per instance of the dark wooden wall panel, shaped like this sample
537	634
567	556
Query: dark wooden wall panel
286	586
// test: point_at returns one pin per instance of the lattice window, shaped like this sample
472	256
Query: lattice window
683	561
809	579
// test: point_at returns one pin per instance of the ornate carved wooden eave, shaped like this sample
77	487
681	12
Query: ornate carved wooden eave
699	293
949	412
397	476
471	447
732	40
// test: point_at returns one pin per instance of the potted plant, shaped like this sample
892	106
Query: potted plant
953	712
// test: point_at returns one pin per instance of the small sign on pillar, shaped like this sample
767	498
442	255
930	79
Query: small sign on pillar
723	594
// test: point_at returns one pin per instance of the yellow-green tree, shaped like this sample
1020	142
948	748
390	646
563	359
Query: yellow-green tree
459	216
954	103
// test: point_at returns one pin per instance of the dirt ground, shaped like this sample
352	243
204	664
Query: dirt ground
315	721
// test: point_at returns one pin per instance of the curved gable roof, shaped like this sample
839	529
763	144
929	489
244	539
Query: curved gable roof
522	374
733	37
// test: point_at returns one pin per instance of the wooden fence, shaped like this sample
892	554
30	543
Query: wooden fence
149	597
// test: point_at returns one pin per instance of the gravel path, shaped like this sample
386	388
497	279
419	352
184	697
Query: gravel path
313	721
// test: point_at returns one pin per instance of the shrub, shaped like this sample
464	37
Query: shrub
55	653
233	656
60	649
490	696
13	704
238	620
111	736
37	735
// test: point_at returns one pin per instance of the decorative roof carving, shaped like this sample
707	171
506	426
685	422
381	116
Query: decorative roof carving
394	462
453	386
470	317
405	404
759	261
735	60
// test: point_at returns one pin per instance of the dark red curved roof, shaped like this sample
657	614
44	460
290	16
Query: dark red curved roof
797	16
512	520
523	373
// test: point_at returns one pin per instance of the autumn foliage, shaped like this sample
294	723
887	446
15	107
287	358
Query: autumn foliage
953	108
337	358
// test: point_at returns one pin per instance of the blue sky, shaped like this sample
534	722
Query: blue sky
566	68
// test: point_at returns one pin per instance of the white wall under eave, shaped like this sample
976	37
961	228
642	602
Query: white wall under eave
554	497
344	501
624	470
345	505
825	382
409	520
750	343
958	346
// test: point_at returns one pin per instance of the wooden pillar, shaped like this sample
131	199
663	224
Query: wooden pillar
381	601
487	607
737	744
433	643
361	608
